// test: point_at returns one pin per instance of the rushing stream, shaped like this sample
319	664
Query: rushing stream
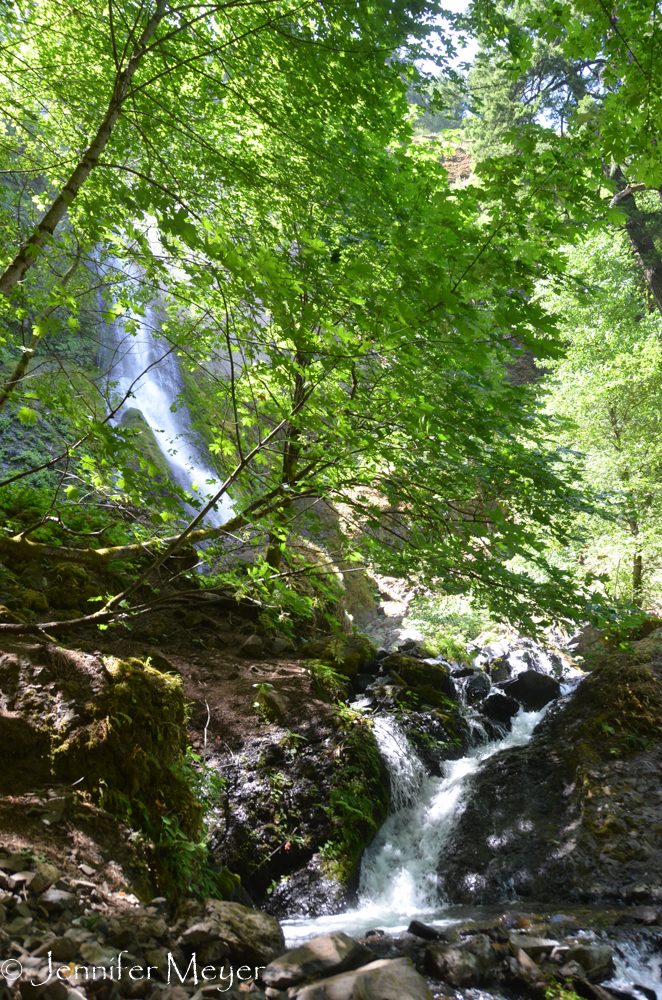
398	872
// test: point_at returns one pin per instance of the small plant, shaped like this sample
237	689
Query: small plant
328	683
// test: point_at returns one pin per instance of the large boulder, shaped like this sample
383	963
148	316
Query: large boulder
421	673
327	955
500	707
251	936
385	979
576	814
348	654
466	965
532	690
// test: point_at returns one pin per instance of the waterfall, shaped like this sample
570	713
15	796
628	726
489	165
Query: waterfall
398	879
155	394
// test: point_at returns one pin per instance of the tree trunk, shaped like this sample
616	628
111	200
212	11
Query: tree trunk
29	351
637	227
637	576
33	246
291	451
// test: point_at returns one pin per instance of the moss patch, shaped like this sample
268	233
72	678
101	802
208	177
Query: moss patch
617	710
359	800
145	441
137	734
348	654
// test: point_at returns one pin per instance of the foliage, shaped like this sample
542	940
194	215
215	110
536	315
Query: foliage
624	117
346	311
607	389
327	683
449	622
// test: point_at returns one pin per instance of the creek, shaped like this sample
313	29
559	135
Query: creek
398	881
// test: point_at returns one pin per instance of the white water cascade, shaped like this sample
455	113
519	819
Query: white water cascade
147	360
398	879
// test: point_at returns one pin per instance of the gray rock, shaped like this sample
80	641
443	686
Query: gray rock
253	646
588	640
385	979
532	690
282	645
326	955
101	955
532	945
18	926
54	900
63	949
13	863
463	965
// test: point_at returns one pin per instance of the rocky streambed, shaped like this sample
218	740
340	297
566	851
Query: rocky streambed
513	785
68	938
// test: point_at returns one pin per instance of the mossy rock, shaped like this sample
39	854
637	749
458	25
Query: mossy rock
416	673
71	586
348	654
145	441
617	709
359	798
137	734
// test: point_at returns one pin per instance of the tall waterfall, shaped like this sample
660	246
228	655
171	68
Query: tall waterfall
147	358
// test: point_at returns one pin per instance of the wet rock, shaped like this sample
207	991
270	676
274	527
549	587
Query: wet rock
361	682
597	959
588	640
532	690
531	945
453	965
477	686
572	970
576	814
645	915
422	673
424	931
385	979
348	654
500	707
528	970
327	955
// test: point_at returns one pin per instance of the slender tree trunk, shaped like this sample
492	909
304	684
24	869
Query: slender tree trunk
637	576
29	351
291	452
34	245
637	563
642	242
